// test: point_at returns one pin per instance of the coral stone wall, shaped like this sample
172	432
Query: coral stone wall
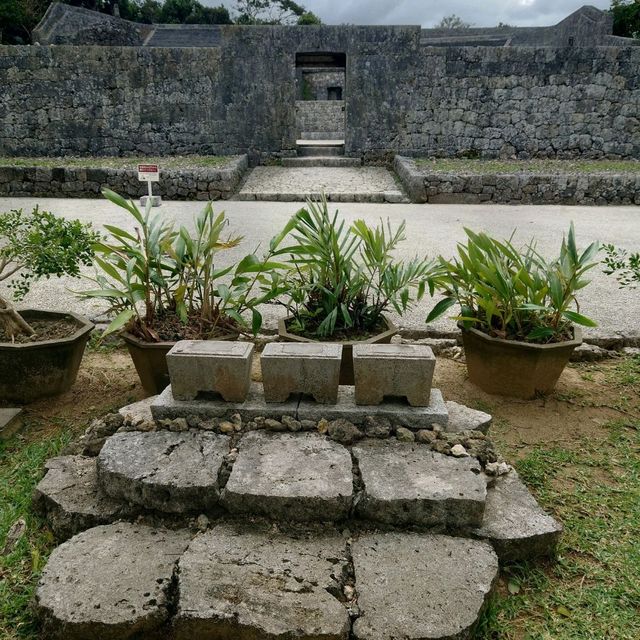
240	97
320	116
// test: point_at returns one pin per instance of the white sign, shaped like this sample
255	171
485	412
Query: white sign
148	173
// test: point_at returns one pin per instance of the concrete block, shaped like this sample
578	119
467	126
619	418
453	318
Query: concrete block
210	366
156	201
10	422
399	370
312	369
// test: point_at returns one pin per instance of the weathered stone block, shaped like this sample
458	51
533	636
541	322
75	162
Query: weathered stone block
312	369
302	476
463	418
515	524
247	584
109	582
407	483
197	366
404	370
163	470
69	498
10	422
414	586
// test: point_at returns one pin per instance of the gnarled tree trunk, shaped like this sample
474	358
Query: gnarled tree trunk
12	322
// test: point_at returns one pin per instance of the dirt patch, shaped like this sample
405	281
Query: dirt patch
45	330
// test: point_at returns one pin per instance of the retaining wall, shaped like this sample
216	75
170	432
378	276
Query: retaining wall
518	188
216	183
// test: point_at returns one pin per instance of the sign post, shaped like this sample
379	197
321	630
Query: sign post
149	173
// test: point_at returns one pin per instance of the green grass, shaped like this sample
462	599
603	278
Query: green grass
21	467
131	162
542	166
593	591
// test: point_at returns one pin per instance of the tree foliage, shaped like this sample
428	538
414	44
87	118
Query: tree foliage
626	18
273	12
453	22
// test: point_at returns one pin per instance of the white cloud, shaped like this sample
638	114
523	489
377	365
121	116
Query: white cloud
481	13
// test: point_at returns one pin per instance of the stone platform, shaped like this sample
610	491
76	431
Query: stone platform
166	407
215	536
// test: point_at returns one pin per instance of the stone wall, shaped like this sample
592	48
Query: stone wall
401	97
316	82
320	116
215	183
423	185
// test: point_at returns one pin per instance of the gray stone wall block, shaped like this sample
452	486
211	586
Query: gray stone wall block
397	370
200	366
308	368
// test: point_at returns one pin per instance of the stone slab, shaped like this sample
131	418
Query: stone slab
299	477
110	582
245	585
463	418
404	370
400	413
138	411
163	470
219	366
309	368
166	407
515	524
69	499
10	422
414	586
407	483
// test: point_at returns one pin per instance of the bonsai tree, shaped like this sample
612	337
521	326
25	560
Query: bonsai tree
164	284
341	279
514	294
36	245
624	265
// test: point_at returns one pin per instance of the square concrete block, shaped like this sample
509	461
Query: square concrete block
404	370
309	368
197	366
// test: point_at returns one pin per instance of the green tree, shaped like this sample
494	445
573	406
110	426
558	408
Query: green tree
626	18
18	19
192	12
453	22
273	12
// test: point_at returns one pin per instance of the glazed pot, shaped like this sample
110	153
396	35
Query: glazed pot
150	361
33	370
516	369
346	367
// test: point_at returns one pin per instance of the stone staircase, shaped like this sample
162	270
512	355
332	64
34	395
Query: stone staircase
218	522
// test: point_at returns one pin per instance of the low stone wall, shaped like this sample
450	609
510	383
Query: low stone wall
197	183
320	115
518	188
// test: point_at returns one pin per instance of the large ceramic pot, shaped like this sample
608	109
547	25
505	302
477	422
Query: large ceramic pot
346	367
516	369
33	370
150	361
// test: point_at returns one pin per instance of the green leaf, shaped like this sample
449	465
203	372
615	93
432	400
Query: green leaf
256	321
119	321
440	309
578	318
513	586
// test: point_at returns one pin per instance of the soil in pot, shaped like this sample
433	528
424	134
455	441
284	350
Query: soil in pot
46	329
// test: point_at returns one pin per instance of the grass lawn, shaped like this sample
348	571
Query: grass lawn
541	166
130	162
578	450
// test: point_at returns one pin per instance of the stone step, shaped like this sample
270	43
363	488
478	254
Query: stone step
515	524
321	135
374	197
113	581
251	581
316	150
322	161
69	500
407	483
165	471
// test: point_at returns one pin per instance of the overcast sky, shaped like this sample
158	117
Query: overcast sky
481	13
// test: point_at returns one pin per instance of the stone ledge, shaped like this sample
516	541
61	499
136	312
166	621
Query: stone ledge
518	188
197	183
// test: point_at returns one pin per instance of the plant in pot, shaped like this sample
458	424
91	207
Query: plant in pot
341	279
518	310
40	351
163	285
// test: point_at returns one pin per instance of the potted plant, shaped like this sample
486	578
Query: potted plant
163	285
40	351
518	311
341	279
